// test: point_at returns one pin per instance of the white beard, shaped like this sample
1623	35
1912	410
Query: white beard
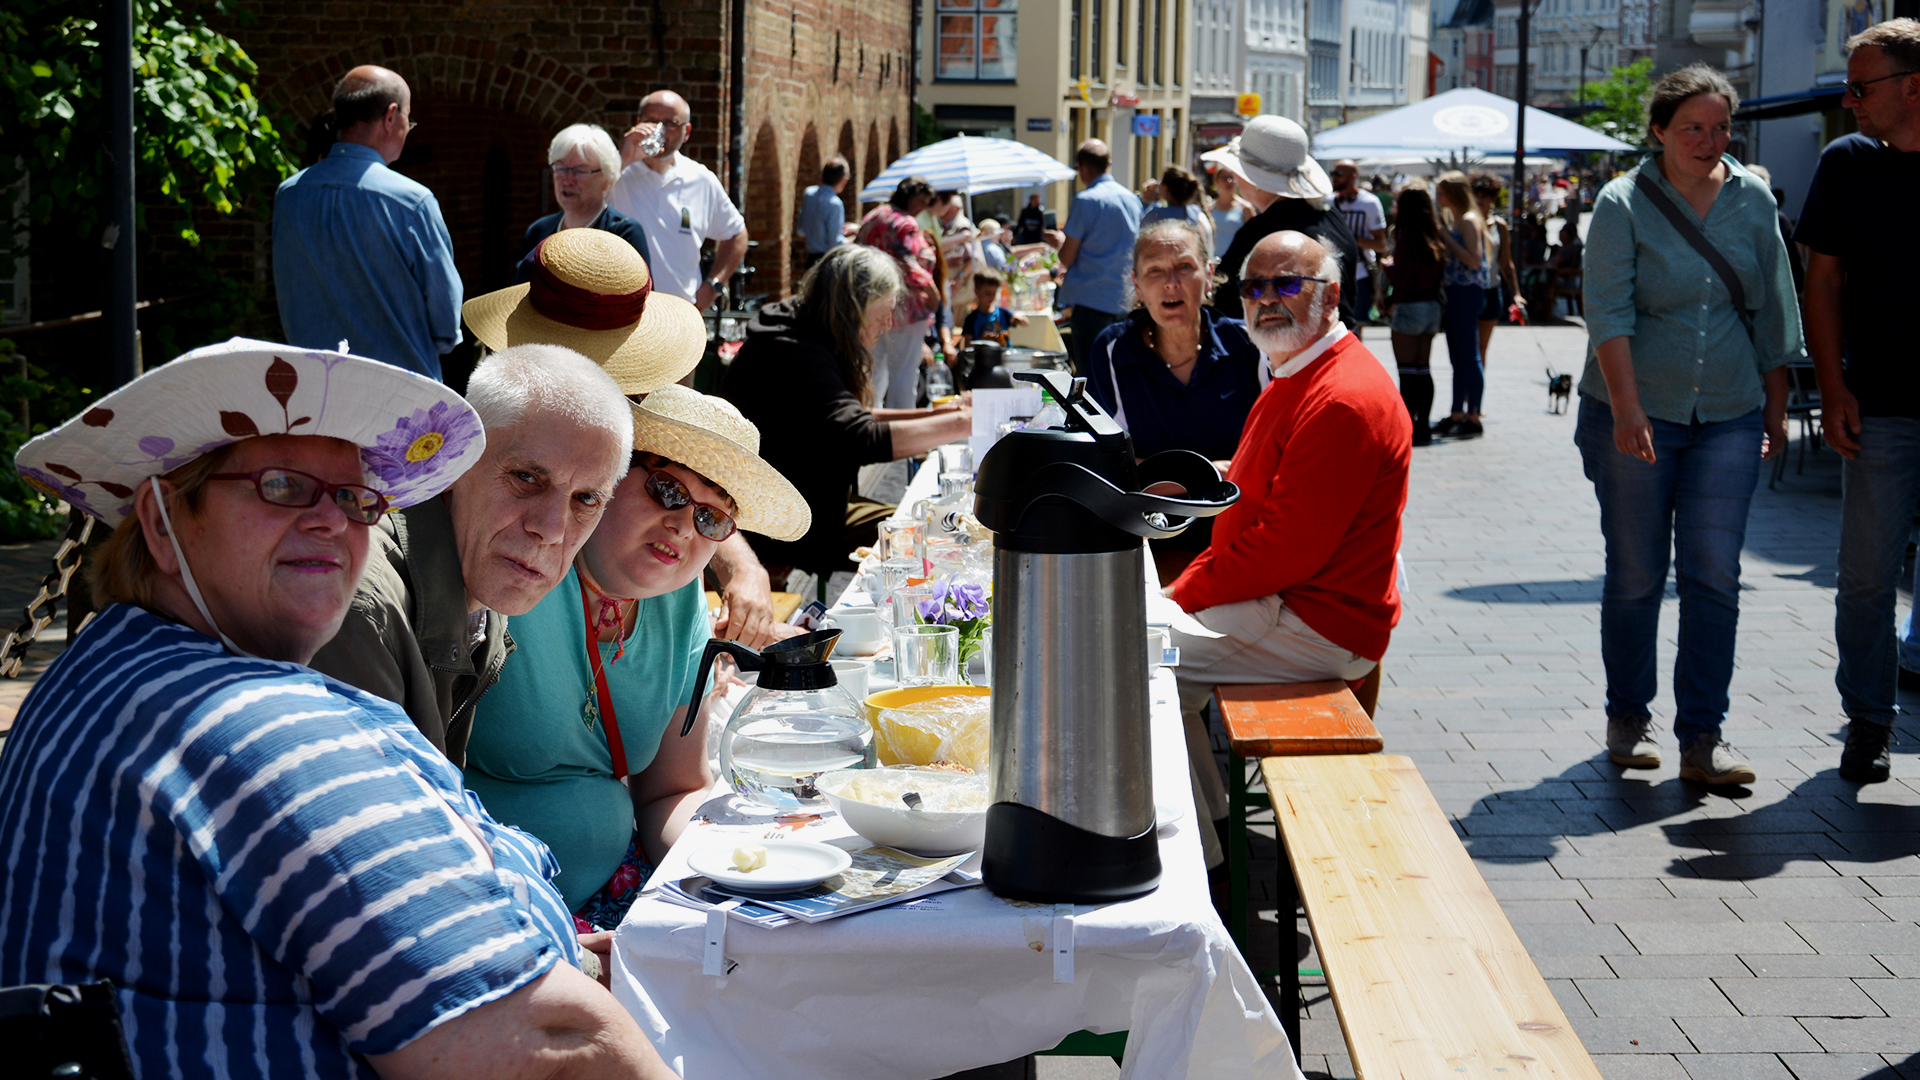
1282	342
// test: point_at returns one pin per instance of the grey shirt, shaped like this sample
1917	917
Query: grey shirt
1692	357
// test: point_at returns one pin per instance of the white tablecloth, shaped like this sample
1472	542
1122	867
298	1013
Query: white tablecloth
960	980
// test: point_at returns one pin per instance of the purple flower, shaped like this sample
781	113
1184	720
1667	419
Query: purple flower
418	447
932	611
970	600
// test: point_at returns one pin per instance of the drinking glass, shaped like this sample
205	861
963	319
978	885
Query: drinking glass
906	603
926	655
899	540
956	457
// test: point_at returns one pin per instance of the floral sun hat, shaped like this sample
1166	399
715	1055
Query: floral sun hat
708	435
594	294
415	435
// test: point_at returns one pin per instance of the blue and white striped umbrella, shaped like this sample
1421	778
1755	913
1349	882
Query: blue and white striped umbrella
970	165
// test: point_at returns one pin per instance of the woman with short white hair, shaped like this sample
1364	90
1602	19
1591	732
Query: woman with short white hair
585	164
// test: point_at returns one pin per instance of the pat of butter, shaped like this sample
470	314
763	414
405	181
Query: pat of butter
748	857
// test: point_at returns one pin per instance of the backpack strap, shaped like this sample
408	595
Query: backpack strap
1696	239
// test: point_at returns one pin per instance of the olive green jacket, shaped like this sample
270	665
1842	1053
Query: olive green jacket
405	636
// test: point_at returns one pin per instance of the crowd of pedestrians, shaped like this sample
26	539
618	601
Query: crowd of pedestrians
385	706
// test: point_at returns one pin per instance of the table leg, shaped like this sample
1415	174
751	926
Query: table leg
1287	902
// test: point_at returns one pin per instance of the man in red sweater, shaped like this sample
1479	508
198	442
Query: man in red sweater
1298	584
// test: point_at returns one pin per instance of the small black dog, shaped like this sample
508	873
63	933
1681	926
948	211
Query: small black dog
1559	391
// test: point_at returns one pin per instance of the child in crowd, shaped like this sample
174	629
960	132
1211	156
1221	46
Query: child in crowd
988	320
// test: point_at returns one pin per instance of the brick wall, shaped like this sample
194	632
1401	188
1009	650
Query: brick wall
494	79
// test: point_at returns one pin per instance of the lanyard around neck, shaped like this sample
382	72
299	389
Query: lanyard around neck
605	695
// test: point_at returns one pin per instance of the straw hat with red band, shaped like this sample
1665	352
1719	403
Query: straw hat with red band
592	293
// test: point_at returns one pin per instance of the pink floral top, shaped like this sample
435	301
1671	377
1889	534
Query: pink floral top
899	235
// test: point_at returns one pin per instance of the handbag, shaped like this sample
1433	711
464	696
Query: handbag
63	1031
1697	240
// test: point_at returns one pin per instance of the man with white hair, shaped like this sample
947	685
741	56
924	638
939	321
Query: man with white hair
1298	582
427	628
1291	191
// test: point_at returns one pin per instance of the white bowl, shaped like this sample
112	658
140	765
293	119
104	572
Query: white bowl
922	832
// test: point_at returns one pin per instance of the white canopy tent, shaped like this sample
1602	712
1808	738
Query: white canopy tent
1465	121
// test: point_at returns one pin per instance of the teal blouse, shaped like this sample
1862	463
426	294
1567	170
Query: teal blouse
535	761
1692	358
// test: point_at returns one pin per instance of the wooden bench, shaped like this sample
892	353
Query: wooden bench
1427	976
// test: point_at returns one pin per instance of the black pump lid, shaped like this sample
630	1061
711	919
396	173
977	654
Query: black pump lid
1077	489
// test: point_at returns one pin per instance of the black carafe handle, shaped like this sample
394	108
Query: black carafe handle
745	657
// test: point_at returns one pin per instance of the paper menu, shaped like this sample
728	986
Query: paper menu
993	407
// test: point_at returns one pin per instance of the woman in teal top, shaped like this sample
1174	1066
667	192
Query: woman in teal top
1682	394
583	748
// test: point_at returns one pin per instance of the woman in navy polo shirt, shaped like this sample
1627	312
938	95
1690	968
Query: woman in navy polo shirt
1175	373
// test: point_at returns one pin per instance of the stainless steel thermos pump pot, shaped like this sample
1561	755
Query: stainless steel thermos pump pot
1072	813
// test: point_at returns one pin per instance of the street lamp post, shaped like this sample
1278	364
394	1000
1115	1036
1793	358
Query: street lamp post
1519	199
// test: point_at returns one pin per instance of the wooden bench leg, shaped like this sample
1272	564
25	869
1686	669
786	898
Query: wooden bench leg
1286	894
1237	855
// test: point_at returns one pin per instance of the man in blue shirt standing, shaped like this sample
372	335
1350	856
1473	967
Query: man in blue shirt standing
823	217
1096	249
360	252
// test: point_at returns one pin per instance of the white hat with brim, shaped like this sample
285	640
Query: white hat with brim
708	435
592	292
1271	153
416	436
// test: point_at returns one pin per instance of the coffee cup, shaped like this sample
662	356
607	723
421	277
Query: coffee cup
860	631
852	674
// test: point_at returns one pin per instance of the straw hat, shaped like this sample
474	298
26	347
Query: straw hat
708	435
594	294
415	435
1271	153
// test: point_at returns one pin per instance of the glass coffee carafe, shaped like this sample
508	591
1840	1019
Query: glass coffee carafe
796	723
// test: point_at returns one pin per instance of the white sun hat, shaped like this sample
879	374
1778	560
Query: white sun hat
1271	153
708	435
416	436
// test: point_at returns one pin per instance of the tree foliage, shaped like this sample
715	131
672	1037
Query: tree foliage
201	138
1622	98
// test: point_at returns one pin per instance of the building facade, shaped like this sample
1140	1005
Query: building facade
1575	42
1247	47
1460	45
1117	70
1364	57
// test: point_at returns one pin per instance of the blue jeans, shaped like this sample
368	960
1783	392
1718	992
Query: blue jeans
1691	505
1462	324
1879	489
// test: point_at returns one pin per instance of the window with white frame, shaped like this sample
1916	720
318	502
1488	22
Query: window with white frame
976	39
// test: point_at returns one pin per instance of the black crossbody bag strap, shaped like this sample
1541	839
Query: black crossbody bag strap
1698	241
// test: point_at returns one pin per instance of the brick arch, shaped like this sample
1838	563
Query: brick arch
805	174
768	219
454	67
874	165
850	150
893	140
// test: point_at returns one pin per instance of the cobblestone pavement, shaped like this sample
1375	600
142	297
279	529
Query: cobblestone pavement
1756	933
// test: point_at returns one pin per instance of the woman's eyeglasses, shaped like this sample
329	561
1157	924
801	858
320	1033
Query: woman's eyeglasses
1858	88
574	171
1284	285
290	487
709	521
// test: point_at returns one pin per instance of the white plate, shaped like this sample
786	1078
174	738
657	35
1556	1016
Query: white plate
791	864
1167	813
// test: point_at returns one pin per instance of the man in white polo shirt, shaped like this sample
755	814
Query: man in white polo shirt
679	202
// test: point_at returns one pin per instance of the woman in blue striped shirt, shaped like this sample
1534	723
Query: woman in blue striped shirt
277	873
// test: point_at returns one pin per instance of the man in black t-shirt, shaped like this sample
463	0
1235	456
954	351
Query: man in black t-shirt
1861	282
1280	177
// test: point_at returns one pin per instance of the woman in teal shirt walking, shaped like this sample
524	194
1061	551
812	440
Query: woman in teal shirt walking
1682	396
580	745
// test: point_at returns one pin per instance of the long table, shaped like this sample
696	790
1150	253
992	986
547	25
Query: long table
960	980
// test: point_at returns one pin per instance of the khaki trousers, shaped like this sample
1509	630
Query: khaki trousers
1251	641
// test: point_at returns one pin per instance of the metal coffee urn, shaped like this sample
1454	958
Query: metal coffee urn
1072	819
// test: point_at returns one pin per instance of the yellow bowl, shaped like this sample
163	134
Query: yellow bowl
907	695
